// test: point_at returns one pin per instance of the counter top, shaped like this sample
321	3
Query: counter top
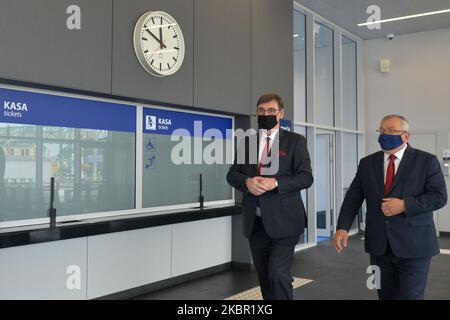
18	236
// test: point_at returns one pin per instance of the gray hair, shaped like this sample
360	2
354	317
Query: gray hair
404	121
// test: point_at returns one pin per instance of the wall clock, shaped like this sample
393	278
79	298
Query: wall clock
159	43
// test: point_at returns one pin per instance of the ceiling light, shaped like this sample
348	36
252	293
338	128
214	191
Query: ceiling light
404	17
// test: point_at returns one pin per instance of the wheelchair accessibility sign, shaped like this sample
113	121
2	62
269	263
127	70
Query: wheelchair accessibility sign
149	145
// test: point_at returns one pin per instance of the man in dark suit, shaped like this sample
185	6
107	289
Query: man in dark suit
273	212
402	187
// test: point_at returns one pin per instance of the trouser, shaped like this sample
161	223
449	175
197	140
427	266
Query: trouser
273	261
401	278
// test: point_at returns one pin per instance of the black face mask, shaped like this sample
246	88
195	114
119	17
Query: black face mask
267	122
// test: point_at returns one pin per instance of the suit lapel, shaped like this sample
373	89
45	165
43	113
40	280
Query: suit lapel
255	166
280	137
379	170
404	166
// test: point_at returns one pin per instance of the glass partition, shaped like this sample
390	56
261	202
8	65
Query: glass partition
324	75
303	193
349	86
350	163
87	146
299	37
182	150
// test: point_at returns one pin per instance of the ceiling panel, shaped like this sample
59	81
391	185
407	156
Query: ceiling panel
348	13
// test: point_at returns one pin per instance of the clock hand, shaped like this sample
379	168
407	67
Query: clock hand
156	38
161	38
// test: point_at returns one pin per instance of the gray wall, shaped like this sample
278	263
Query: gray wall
36	45
222	77
235	50
417	87
272	51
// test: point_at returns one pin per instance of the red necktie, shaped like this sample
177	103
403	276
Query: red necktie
390	174
262	163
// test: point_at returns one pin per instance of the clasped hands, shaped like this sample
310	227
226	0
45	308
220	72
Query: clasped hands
392	206
259	185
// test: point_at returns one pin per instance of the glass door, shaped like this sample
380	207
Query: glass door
324	184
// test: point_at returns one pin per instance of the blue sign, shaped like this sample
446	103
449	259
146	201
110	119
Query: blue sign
161	121
286	124
150	162
149	144
25	107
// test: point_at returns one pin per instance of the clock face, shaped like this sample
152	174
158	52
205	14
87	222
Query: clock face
159	43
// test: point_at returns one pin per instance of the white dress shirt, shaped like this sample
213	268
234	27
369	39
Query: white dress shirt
397	161
262	146
262	141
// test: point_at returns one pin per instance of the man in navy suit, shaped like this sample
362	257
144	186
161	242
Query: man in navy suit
402	187
273	212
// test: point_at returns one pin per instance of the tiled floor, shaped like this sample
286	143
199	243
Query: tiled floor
334	277
255	293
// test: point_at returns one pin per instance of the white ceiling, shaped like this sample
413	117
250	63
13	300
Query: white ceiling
348	13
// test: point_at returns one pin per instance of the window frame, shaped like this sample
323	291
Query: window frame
311	125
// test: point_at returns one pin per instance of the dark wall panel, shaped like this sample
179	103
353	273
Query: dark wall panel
222	62
272	51
36	46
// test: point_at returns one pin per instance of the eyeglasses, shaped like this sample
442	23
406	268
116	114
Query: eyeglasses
391	131
270	112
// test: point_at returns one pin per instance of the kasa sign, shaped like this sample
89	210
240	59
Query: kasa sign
14	109
154	123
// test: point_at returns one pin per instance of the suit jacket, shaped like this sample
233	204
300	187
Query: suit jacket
282	209
419	182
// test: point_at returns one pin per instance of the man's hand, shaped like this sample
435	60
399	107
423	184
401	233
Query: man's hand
255	187
392	207
341	235
269	183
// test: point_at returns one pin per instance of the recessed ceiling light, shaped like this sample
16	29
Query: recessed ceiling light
295	35
404	17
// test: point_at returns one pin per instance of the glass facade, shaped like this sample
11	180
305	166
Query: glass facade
326	109
324	75
299	37
349	84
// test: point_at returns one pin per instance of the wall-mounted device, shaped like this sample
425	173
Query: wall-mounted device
446	162
385	65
